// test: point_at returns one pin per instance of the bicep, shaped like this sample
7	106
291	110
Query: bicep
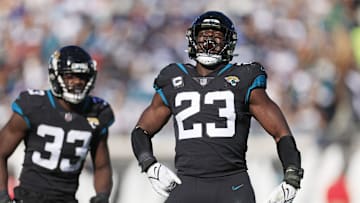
12	134
154	116
268	114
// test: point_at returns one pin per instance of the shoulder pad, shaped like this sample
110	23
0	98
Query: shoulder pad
164	77
103	111
28	100
257	67
98	100
256	77
34	92
106	117
254	69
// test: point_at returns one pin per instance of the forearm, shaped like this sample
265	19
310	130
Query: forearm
3	174
291	160
103	180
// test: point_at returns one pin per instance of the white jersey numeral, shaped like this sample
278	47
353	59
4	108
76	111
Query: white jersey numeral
55	146
36	92
194	98
81	151
227	112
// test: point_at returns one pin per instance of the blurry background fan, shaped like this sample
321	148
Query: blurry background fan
310	49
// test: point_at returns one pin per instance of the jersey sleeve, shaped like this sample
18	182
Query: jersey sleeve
257	78
105	115
163	80
26	102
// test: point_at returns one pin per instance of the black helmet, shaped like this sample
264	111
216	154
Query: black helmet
212	20
71	60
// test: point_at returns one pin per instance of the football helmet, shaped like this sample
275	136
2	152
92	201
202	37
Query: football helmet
217	21
71	60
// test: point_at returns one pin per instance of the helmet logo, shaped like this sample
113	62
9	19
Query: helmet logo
79	67
56	55
211	23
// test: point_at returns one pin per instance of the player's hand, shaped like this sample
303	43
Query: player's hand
284	193
163	180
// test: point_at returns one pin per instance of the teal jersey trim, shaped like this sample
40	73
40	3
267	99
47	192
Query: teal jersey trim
259	82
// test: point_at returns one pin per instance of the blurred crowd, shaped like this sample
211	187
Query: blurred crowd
310	49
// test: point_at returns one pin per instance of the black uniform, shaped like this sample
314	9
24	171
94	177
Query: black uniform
211	119
57	142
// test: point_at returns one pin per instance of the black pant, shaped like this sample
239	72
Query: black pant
228	189
24	195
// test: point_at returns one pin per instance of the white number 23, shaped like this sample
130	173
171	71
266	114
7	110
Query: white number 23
227	112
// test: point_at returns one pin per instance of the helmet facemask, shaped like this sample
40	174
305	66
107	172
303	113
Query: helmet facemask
204	51
75	93
63	68
209	48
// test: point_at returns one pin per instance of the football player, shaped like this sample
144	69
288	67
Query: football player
212	104
59	127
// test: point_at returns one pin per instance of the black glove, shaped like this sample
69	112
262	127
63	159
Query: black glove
293	176
100	198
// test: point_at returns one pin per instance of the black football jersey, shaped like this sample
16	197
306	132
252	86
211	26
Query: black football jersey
211	115
57	141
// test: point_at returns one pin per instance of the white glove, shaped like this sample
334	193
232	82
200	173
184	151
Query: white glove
284	193
163	180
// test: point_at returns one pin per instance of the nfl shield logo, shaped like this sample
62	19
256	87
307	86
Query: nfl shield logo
68	117
203	81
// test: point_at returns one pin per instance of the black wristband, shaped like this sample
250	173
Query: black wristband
142	148
291	161
288	152
293	176
100	198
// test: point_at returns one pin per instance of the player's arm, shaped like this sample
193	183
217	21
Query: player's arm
269	115
10	137
102	171
150	122
154	117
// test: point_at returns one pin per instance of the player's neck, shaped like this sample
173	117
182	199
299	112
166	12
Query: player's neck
203	71
68	106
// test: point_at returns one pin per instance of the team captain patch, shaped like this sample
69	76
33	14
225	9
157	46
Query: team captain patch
178	82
